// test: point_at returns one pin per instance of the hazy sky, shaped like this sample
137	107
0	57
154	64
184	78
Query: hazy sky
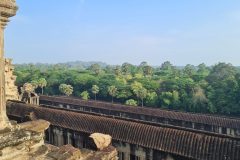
117	31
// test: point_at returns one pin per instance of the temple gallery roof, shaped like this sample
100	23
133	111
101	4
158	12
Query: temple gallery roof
159	113
196	145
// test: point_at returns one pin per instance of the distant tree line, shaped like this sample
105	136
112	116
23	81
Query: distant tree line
201	89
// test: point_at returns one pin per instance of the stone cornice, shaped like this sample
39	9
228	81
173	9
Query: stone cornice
8	3
8	8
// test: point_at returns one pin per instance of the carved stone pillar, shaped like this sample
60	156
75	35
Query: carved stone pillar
8	9
60	137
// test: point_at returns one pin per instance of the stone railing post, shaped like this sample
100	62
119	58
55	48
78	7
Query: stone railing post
8	9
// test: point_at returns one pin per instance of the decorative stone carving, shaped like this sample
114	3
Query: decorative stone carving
10	79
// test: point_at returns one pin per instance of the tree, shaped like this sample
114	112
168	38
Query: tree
126	67
169	99
96	68
42	83
223	88
200	101
167	69
112	91
147	70
166	66
34	84
66	89
95	90
124	92
151	99
142	64
85	95
117	71
62	87
189	70
166	98
27	88
203	69
135	86
131	102
140	92
108	69
138	76
202	72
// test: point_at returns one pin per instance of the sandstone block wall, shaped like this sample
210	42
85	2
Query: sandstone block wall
10	79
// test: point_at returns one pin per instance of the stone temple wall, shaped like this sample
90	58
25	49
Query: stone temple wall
10	79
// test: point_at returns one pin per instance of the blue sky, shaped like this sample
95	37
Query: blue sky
117	31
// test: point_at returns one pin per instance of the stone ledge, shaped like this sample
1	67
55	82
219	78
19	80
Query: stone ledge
109	153
36	126
24	141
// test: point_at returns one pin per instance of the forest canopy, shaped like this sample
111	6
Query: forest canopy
200	89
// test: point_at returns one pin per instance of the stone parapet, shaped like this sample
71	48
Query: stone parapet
67	152
109	153
24	141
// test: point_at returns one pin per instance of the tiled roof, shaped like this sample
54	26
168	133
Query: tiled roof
159	113
196	145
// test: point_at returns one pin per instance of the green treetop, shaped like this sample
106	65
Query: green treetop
42	83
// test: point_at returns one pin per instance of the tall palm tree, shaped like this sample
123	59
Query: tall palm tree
95	90
112	91
42	83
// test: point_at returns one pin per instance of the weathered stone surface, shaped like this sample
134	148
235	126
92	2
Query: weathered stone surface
66	152
37	126
8	9
101	140
10	79
23	141
109	153
26	142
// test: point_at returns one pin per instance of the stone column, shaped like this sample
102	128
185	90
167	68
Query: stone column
8	9
69	137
